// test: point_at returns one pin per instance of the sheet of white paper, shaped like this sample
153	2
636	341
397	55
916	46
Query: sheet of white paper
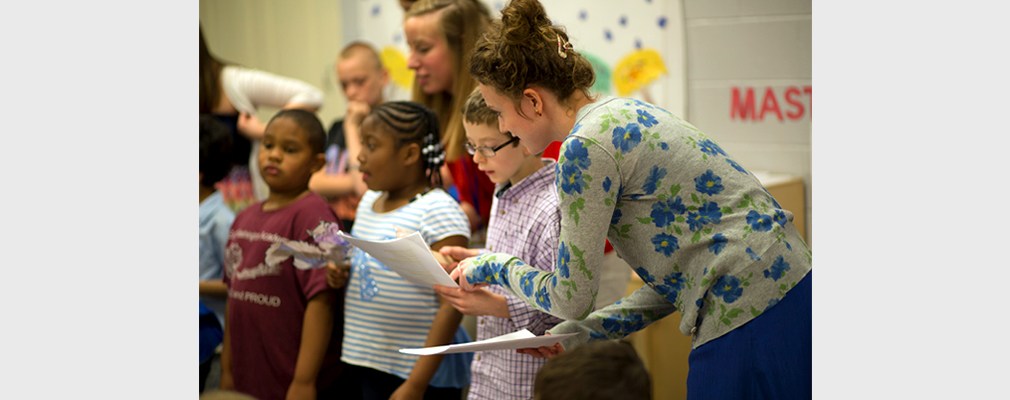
408	256
516	340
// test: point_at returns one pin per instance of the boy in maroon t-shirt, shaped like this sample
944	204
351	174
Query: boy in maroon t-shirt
281	321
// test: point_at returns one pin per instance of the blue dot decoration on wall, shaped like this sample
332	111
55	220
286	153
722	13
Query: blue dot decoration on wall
582	15
607	35
498	6
662	22
375	10
623	21
397	37
638	43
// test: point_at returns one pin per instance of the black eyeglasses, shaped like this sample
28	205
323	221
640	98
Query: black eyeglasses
487	151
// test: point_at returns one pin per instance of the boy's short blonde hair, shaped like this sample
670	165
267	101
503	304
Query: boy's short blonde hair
476	111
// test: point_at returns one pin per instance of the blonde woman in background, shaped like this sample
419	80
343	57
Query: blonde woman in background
441	34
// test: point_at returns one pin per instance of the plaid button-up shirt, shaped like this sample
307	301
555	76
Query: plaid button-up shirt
525	222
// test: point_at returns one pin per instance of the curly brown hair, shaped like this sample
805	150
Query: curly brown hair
522	50
460	22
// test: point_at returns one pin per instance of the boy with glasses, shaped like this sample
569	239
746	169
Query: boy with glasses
525	221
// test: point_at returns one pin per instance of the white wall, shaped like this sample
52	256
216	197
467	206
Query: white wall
298	39
753	45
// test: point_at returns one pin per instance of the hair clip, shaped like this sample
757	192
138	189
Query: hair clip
433	150
563	47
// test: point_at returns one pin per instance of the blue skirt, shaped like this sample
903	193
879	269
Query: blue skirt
766	358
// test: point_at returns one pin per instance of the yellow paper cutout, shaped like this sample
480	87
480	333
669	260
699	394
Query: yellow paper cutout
637	70
396	64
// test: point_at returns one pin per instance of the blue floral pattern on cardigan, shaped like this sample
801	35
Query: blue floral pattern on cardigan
703	234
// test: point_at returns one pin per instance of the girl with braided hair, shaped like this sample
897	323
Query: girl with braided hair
400	159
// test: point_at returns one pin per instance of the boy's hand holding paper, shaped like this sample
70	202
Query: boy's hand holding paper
475	303
455	254
337	275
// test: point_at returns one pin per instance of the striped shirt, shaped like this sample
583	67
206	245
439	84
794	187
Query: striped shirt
383	312
525	221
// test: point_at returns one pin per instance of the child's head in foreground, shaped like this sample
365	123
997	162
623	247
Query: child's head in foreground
215	151
499	155
292	149
400	147
606	369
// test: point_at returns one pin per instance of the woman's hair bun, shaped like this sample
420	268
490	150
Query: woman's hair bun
525	22
523	50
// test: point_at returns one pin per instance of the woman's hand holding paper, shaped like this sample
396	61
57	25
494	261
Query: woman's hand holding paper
459	275
543	351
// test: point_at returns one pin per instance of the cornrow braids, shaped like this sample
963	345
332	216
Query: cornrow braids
412	122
